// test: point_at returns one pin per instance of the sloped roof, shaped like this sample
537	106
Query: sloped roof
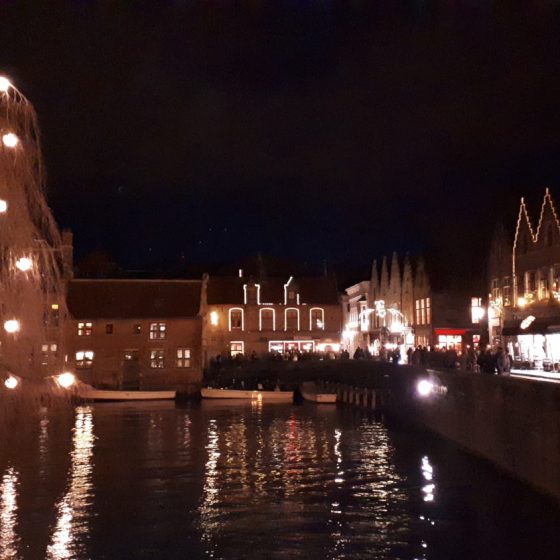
133	299
312	290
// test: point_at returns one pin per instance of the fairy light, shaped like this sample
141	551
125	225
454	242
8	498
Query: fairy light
11	326
24	264
5	84
10	140
11	382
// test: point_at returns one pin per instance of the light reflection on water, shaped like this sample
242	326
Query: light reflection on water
8	515
245	480
70	534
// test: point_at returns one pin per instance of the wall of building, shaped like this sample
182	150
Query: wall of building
218	337
107	369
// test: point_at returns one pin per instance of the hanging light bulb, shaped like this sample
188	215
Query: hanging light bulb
24	264
11	326
5	84
3	206
10	140
11	382
66	379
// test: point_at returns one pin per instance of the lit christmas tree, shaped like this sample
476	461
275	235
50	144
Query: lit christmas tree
32	302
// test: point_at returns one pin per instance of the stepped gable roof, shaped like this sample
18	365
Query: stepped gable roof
133	299
312	290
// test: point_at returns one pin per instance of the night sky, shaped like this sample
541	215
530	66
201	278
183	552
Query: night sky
312	130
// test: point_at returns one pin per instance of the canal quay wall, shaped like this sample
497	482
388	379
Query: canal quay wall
512	422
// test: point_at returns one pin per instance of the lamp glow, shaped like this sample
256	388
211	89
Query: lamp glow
5	84
66	379
11	326
214	318
10	140
24	264
424	387
3	206
11	382
521	302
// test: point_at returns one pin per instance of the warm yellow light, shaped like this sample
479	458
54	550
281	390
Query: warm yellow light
3	206
11	382
54	306
5	84
521	302
24	264
10	140
66	379
11	326
214	318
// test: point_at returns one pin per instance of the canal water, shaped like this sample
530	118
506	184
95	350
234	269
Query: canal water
247	480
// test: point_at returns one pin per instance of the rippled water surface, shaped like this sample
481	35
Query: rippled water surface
242	480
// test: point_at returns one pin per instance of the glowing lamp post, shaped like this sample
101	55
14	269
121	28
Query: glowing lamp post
66	380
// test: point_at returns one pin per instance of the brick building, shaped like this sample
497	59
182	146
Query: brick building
401	308
524	287
265	314
134	334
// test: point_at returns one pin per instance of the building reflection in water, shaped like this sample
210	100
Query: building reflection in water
208	509
8	515
71	530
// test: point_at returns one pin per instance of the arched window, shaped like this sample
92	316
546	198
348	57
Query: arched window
266	319
316	319
291	319
236	319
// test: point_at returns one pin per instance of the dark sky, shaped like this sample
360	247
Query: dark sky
315	130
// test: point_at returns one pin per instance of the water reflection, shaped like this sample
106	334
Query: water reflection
208	509
8	515
72	528
428	474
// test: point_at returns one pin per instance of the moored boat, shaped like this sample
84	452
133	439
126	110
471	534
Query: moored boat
89	393
257	394
310	391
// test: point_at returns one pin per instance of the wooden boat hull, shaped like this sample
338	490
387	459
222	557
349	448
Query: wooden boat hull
89	393
268	396
310	392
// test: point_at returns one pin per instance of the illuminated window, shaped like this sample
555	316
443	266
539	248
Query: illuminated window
157	358
84	359
417	311
85	329
48	353
109	328
266	319
530	282
428	310
236	348
507	290
316	319
235	319
157	331
544	283
137	329
495	290
183	359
